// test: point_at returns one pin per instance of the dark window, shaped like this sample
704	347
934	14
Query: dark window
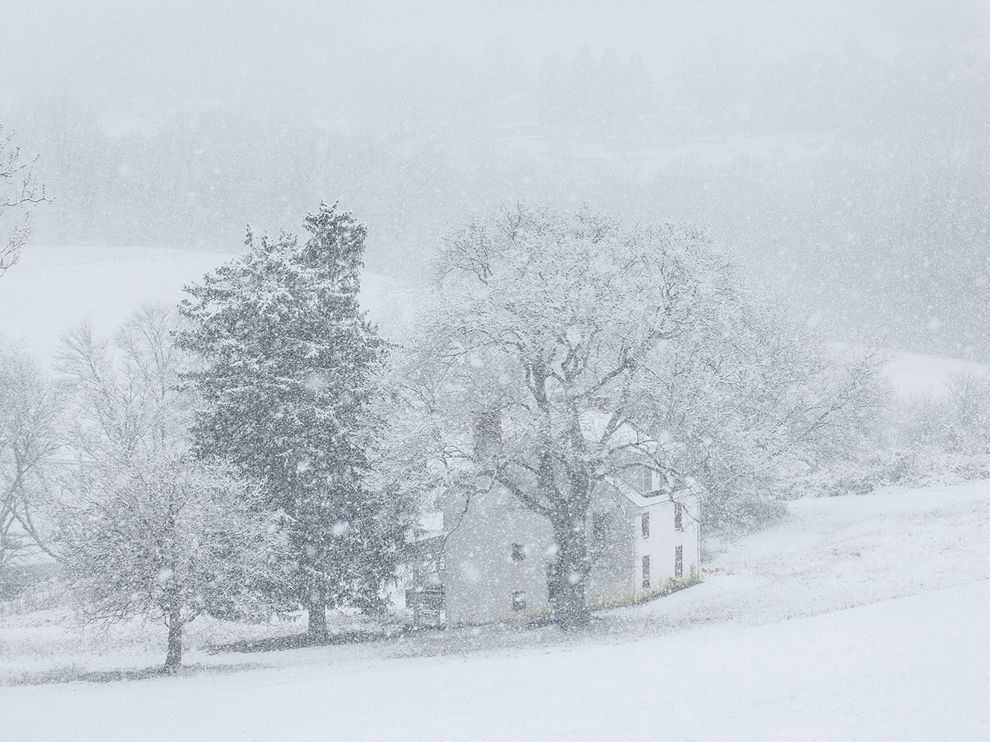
647	480
518	601
678	516
646	571
487	432
599	528
678	561
645	525
518	552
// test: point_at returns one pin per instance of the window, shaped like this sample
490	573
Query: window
518	552
678	561
646	482
518	601
678	516
599	528
487	432
646	571
645	525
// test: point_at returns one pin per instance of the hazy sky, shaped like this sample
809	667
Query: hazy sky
798	130
160	48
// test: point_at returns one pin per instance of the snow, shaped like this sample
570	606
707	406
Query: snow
841	676
857	618
914	374
53	289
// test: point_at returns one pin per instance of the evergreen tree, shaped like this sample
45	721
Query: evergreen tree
289	368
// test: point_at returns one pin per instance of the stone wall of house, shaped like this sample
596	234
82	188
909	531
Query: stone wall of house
485	578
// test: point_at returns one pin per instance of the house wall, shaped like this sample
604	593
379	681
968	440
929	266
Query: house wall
612	576
480	576
479	573
661	543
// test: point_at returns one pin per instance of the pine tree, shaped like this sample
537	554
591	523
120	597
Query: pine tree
288	374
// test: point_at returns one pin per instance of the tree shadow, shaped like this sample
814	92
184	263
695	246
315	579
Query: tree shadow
77	674
299	641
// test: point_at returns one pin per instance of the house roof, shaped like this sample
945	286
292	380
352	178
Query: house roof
687	487
594	423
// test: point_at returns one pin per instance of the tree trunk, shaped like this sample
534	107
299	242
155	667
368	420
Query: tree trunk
317	610
173	658
569	575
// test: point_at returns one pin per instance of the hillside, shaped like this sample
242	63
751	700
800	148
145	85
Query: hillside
54	288
840	623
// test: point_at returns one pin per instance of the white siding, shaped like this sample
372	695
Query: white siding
480	577
663	540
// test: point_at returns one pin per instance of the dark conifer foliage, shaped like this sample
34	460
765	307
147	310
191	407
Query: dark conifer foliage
289	369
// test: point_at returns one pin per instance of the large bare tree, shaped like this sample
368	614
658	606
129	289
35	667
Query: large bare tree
544	320
563	348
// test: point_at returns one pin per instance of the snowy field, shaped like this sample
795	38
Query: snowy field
857	618
52	289
914	374
603	286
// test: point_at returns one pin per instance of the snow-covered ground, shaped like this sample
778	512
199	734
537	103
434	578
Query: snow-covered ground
857	618
914	374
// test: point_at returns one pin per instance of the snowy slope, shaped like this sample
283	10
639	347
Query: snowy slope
912	669
907	670
858	618
916	373
54	288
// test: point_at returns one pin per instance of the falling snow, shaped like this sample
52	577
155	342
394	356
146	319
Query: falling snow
472	370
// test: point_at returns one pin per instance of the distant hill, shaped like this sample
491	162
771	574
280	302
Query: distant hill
916	373
54	288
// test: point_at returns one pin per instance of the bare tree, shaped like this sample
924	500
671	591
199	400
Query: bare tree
751	401
148	529
159	535
534	354
945	434
564	349
18	193
30	409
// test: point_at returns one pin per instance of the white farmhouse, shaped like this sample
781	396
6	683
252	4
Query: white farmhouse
490	559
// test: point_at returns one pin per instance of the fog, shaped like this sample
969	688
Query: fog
838	150
494	370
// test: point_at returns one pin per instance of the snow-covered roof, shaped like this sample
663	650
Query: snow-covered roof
428	525
594	422
687	487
